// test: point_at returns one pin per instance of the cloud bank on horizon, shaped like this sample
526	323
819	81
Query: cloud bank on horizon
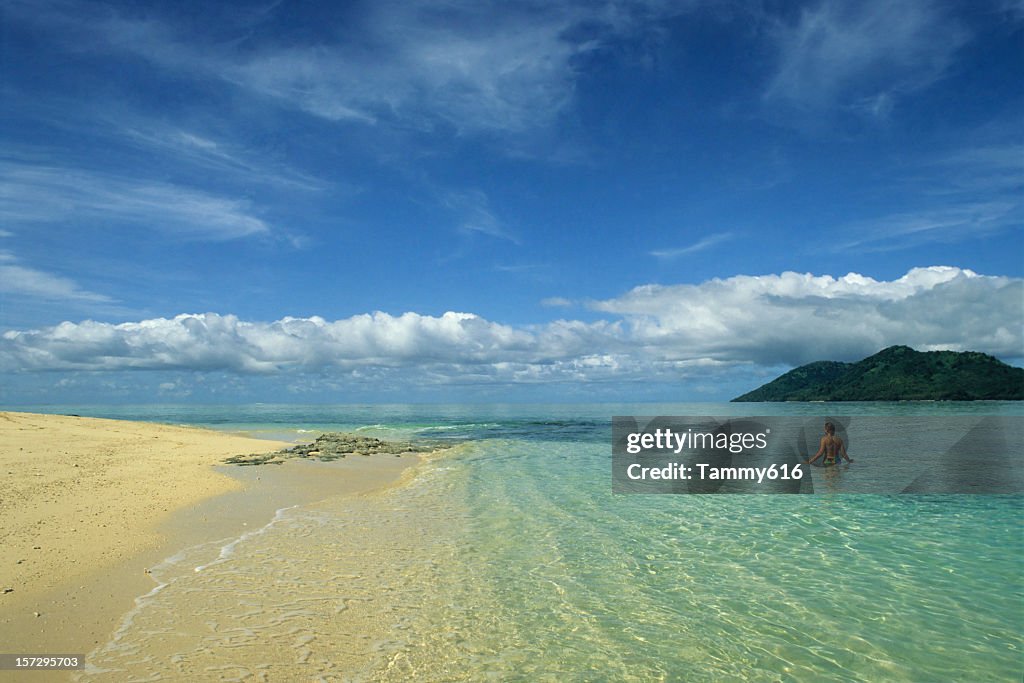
424	193
658	334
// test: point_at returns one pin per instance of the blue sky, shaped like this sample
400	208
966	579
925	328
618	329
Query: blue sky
445	201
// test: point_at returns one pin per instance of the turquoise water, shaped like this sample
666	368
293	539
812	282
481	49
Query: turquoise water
510	559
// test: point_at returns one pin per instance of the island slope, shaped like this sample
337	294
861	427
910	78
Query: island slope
898	373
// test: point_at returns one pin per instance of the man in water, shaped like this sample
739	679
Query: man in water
831	447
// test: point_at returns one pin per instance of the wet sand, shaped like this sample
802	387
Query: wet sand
88	505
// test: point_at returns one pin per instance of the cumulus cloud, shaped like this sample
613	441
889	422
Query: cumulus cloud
655	332
794	318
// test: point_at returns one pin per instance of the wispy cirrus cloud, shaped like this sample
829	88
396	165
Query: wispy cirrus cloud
475	216
485	67
206	141
1013	8
699	245
17	279
48	194
200	150
861	56
940	225
969	193
477	68
987	169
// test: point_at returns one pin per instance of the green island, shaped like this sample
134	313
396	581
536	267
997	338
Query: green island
898	373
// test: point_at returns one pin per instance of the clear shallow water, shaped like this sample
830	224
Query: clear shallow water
510	559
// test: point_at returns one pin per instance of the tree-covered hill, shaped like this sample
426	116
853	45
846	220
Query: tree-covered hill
898	373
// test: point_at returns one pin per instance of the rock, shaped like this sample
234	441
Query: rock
335	445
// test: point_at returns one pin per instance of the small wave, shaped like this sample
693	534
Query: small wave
228	550
468	425
167	566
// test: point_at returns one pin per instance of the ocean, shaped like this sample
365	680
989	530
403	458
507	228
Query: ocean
509	558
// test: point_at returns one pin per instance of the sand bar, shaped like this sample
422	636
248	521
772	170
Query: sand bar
87	505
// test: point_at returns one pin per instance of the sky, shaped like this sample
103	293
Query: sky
452	201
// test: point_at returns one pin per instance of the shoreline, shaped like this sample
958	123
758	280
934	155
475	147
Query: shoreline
89	505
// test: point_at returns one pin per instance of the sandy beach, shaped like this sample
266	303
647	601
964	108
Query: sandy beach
87	505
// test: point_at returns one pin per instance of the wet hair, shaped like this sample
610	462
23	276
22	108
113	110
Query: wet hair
830	428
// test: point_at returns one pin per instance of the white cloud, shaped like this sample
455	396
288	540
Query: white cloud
475	214
210	341
981	169
969	193
658	332
506	78
479	67
794	318
202	151
21	280
699	245
1014	8
860	55
957	223
30	194
556	302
